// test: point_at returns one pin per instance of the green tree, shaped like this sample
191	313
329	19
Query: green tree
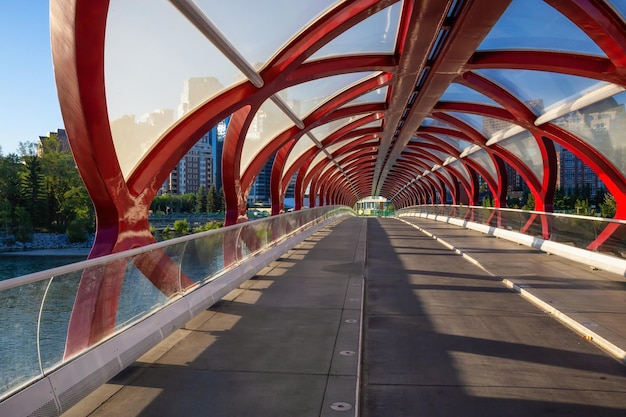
530	202
583	208
181	226
608	207
220	201
201	200
60	176
11	171
32	189
212	198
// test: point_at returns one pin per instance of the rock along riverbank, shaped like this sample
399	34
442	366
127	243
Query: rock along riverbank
47	244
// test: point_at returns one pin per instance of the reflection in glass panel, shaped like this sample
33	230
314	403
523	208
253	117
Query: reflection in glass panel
306	97
602	125
540	90
18	327
376	34
137	298
268	122
55	317
524	146
533	24
204	257
461	93
268	24
157	68
376	96
302	145
482	158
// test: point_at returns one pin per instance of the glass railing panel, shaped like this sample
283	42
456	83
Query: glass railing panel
203	258
37	310
511	220
138	297
607	236
19	356
574	231
55	317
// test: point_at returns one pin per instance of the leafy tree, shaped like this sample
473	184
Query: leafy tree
11	171
60	176
221	201
530	202
181	226
201	200
212	198
583	208
32	188
608	207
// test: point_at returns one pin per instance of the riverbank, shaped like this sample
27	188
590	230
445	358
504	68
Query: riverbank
47	244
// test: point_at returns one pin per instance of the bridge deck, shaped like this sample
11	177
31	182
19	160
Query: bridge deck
442	337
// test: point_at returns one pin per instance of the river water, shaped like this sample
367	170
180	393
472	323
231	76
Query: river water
12	266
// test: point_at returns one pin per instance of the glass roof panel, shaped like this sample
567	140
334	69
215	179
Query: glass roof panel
302	145
377	96
446	173
474	120
459	92
602	125
440	155
619	6
268	24
482	158
541	90
268	122
375	123
306	97
376	34
533	24
524	146
430	122
144	96
457	143
323	131
459	168
319	157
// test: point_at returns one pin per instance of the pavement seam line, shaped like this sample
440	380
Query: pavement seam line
593	337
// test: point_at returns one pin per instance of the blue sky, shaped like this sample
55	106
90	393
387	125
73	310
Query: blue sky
29	106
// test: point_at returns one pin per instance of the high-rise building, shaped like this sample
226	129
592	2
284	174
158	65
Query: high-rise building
260	191
202	165
595	123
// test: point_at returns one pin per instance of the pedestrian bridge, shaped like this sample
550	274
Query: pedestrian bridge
338	315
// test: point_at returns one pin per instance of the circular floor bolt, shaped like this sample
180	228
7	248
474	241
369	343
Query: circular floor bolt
351	321
339	406
347	352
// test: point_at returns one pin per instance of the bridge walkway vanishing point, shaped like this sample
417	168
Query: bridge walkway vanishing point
441	335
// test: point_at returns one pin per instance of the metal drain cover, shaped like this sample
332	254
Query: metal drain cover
339	406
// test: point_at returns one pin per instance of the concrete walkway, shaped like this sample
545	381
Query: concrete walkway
442	337
284	344
445	338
